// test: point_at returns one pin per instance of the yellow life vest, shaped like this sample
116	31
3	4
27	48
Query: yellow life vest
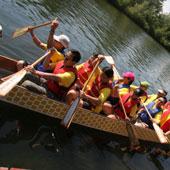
56	57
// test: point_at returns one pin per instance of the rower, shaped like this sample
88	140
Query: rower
144	85
154	97
155	108
56	44
84	70
56	84
124	88
131	104
100	90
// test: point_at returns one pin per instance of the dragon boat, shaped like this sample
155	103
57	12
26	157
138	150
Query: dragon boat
26	99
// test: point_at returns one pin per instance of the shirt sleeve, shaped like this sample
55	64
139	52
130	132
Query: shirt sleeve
66	78
158	116
133	111
104	94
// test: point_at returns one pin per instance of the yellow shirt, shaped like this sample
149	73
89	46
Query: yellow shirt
56	57
134	111
158	116
66	79
151	98
104	94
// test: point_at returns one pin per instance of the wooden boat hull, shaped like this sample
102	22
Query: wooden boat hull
24	98
7	63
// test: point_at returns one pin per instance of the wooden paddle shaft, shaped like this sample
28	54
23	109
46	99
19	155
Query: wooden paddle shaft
71	111
147	111
41	25
39	60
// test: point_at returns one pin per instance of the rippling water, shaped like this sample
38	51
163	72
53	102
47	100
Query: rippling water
93	27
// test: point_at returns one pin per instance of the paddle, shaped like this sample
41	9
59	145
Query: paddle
9	84
70	113
21	31
131	134
158	130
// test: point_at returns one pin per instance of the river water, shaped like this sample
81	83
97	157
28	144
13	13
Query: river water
93	27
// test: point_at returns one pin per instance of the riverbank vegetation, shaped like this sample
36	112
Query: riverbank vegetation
148	14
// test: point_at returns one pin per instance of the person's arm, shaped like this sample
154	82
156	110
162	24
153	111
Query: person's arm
91	99
46	62
104	94
48	76
54	25
36	40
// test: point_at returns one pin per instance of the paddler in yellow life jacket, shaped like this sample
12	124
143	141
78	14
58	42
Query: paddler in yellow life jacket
123	86
155	108
154	97
83	71
100	90
56	44
144	85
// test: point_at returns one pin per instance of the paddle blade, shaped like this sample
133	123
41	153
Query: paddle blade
20	31
110	60
131	134
70	113
160	134
9	84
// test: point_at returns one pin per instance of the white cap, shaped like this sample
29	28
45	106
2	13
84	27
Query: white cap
0	27
63	39
162	92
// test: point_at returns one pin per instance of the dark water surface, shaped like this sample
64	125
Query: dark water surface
93	26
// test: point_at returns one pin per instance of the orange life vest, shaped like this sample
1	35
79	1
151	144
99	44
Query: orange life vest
53	86
84	71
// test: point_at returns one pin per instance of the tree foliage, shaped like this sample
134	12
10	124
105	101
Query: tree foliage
148	14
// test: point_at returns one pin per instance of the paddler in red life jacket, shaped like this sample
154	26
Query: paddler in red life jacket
155	108
84	70
58	82
56	44
165	118
100	90
131	103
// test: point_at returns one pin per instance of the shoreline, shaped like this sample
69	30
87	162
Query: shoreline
137	21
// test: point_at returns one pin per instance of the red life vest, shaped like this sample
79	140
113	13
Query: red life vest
83	73
53	86
97	86
128	105
165	121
